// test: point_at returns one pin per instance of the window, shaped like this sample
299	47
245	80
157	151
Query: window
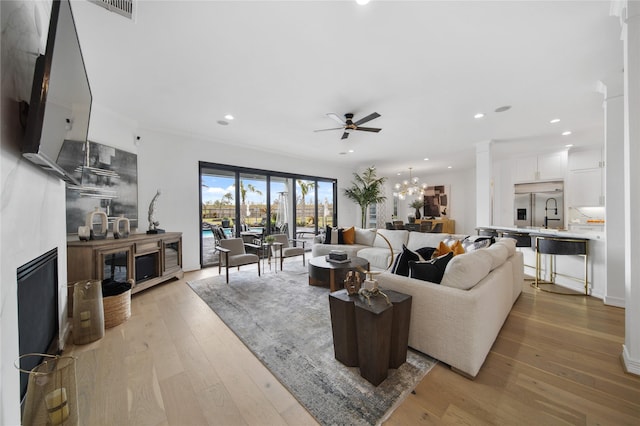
239	200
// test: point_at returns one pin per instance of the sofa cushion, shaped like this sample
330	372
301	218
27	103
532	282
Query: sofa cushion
499	254
430	270
397	237
401	265
424	239
466	270
349	235
365	236
377	257
510	244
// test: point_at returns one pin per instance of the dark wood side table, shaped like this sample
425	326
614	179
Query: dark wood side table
324	273
374	337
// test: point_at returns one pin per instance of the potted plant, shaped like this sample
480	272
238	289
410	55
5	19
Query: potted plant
366	190
225	222
417	205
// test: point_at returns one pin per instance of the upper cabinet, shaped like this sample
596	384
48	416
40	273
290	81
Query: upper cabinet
585	181
590	159
541	167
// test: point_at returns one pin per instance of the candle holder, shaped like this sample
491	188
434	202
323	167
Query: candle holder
88	312
52	397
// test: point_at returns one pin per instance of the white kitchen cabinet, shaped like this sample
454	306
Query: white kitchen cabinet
585	188
589	159
541	167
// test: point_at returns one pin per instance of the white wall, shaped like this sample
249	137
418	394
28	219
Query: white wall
32	212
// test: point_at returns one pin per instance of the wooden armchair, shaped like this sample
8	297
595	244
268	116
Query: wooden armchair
286	250
232	253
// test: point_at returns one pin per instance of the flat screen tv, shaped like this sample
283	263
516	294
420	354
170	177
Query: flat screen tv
60	104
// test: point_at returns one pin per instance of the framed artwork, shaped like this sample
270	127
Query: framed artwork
109	179
437	202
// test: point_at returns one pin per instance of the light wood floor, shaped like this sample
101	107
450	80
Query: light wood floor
556	361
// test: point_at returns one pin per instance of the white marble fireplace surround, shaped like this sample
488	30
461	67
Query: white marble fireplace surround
32	222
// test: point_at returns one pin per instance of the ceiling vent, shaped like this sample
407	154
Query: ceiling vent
121	7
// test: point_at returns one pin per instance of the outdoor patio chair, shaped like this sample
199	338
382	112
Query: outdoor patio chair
286	250
232	253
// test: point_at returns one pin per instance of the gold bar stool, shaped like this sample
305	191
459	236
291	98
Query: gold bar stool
560	246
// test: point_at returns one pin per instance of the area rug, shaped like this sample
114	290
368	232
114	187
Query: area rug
287	324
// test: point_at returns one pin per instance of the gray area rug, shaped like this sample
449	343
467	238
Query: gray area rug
287	324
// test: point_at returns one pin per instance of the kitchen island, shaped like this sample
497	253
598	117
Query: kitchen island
566	265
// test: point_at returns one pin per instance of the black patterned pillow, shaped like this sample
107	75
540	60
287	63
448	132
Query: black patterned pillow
401	265
426	252
430	270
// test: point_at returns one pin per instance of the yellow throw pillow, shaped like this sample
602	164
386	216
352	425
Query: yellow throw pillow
443	249
349	235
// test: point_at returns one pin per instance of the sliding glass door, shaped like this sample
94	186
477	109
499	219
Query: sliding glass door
251	203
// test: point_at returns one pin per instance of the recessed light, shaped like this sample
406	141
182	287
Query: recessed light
398	173
569	145
503	108
426	159
223	123
449	167
567	133
351	150
478	115
229	117
554	121
362	2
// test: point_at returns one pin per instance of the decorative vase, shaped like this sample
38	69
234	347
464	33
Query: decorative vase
121	227
352	283
88	312
412	219
417	213
52	397
98	229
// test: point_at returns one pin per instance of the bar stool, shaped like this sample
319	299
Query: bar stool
523	239
560	246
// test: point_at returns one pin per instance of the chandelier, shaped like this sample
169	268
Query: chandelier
409	187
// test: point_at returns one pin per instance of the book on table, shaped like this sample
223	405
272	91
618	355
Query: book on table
330	260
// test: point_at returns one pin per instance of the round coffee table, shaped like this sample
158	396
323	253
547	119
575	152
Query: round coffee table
324	273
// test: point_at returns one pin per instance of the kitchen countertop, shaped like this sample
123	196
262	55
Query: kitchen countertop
589	235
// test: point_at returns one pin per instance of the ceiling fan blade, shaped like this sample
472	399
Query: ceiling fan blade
345	135
324	130
336	117
368	129
367	118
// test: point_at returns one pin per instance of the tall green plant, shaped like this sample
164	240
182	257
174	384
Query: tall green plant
366	189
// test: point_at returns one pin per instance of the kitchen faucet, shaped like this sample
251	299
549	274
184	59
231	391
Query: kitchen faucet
546	208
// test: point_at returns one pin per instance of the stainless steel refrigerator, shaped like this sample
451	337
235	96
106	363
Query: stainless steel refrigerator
539	204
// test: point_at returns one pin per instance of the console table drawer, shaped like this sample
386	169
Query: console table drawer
146	247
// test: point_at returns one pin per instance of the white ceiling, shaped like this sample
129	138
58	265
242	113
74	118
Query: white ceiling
426	66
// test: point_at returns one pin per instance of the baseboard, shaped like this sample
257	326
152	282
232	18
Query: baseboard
631	366
618	302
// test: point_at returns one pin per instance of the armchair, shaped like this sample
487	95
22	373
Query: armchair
286	250
232	253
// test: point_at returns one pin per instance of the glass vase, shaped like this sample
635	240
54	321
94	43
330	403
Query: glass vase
88	312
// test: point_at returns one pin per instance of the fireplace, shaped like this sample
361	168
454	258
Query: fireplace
37	310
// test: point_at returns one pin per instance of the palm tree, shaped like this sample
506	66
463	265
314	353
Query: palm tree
366	190
305	187
243	197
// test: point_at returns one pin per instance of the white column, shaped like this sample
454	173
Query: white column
484	184
614	293
631	38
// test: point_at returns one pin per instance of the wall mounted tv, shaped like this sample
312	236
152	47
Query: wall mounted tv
60	104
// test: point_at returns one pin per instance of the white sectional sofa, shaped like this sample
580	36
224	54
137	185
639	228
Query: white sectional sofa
458	320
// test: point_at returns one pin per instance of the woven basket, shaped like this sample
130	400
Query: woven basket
117	309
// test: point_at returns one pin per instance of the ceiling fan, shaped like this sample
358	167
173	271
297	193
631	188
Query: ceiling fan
348	124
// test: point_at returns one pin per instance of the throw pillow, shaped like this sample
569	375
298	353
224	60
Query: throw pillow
426	252
349	235
431	270
401	265
443	248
